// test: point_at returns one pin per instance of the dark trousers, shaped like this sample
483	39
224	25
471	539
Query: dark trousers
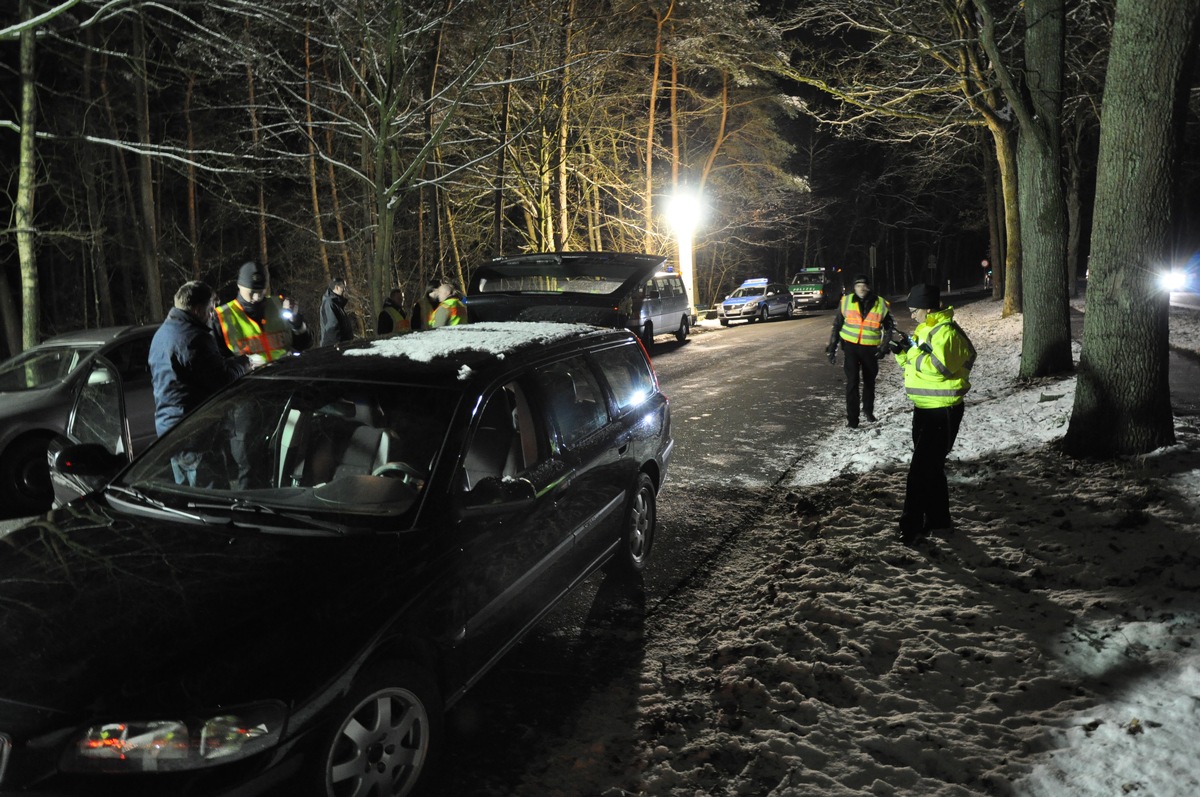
927	498
854	359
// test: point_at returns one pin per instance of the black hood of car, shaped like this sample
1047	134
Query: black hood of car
104	613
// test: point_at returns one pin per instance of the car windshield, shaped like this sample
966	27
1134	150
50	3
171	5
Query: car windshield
41	366
749	290
326	448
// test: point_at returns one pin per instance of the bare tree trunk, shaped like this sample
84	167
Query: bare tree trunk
255	135
1123	395
149	238
1046	334
26	187
648	199
192	212
995	233
90	176
501	164
1074	209
313	186
564	117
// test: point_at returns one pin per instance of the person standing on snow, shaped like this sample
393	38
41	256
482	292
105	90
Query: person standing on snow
336	326
937	365
859	326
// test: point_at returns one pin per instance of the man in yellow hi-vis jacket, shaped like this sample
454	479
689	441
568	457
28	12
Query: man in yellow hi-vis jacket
937	363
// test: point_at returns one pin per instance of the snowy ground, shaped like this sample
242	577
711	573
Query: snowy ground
1047	646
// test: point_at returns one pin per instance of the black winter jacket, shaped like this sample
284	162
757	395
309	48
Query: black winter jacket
186	367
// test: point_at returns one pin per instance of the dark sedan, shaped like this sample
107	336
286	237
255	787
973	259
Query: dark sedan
293	584
91	386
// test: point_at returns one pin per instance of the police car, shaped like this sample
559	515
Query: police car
756	300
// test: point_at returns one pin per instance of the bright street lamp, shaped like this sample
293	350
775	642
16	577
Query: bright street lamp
683	213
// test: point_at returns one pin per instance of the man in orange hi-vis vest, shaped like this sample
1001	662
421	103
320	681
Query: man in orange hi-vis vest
255	324
861	327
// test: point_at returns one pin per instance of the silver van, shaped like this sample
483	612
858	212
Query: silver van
662	308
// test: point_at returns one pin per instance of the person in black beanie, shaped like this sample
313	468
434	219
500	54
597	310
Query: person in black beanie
860	327
254	324
937	364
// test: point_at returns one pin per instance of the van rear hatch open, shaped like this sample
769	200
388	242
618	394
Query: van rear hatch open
574	287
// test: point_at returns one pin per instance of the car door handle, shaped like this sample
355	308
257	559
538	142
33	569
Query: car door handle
621	449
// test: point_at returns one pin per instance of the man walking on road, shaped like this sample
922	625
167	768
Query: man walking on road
860	327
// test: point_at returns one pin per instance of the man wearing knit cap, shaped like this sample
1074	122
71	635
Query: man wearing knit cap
254	324
860	328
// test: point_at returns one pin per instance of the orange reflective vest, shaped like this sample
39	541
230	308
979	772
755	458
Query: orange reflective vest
243	335
864	330
456	313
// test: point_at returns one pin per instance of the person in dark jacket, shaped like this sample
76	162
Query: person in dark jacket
425	305
336	326
393	318
186	365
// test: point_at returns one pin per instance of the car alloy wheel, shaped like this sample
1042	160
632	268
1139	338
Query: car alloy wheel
638	531
389	728
763	314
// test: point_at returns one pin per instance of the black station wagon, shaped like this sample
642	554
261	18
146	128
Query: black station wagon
289	588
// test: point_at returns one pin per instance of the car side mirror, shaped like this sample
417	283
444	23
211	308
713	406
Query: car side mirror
88	459
493	495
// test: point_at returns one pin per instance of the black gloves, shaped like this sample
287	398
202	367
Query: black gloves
903	344
831	353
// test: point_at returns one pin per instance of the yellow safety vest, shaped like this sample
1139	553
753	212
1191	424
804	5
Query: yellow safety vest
399	320
243	335
864	330
457	313
938	375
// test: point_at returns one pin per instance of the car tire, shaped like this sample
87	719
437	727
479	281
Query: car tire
637	530
789	312
724	322
384	735
647	335
682	333
25	477
763	314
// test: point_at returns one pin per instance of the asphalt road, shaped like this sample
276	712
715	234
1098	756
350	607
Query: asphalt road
746	404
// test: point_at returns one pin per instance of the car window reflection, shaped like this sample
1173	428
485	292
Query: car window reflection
348	447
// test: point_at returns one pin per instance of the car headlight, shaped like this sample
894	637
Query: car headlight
1174	280
174	745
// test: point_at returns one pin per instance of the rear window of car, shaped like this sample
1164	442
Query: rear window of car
573	276
628	375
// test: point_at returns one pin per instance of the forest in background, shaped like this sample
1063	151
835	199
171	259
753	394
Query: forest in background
394	142
391	142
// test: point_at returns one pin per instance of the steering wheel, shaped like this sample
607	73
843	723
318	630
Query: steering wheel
400	470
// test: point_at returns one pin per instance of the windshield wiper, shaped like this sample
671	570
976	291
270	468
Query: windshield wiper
141	498
256	509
